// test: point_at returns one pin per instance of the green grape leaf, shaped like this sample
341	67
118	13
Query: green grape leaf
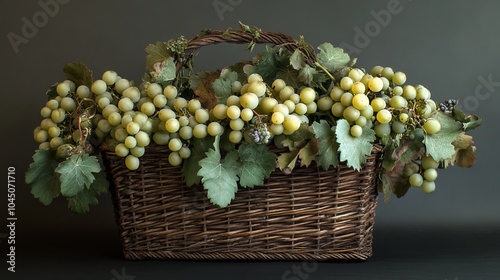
354	150
332	58
290	76
286	161
309	152
156	53
297	60
52	91
191	164
328	145
42	178
307	74
78	73
76	173
439	145
201	84
164	71
257	163
81	201
220	178
222	86
266	64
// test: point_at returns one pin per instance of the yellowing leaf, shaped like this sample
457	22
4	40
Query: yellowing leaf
202	88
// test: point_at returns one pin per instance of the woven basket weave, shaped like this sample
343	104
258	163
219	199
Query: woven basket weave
310	214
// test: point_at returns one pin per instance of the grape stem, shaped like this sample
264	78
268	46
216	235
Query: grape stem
324	70
81	113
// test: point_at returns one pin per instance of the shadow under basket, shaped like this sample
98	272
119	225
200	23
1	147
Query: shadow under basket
310	214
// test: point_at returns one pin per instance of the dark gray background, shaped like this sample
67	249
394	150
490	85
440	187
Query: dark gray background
447	46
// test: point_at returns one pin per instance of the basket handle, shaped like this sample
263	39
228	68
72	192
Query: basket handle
213	37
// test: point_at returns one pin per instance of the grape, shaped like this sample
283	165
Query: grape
132	128
121	85
282	108
140	118
130	142
233	100
398	127
254	78
166	114
376	84
175	144
447	106
244	89
215	128
58	115
174	159
83	92
366	80
430	174
170	92
180	103
65	150
160	101
236	124
356	74
184	152
312	108
295	98
131	162
409	92
257	87
235	136
186	132
376	70
161	138
233	112
142	139
416	180
399	78
52	104
56	142
432	126
68	104
183	121
360	101
172	125
111	108
336	93
428	187
137	151
358	88
133	93
200	131
387	72
63	89
382	130
423	93
367	113
346	99
246	114
267	104
259	134
276	129
201	115
291	105
429	163
378	104
403	117
125	104
277	118
278	85
121	150
307	95
351	114
397	90
120	134
385	82
236	86
54	131
362	121
110	77
193	105
220	111
45	112
103	102
346	83
249	100
291	123
99	87
301	109
356	130
384	116
337	109
398	102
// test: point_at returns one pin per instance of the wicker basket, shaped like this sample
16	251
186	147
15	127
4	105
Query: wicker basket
310	214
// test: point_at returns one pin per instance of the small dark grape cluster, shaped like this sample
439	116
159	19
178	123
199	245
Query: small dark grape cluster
260	134
447	106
